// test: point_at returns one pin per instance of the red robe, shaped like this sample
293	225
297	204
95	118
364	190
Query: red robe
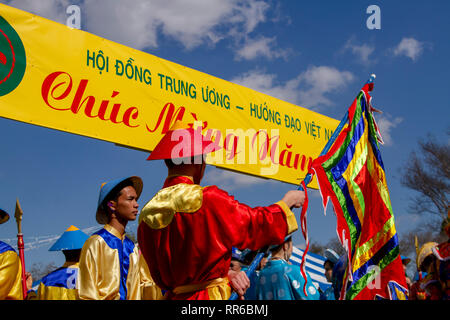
195	247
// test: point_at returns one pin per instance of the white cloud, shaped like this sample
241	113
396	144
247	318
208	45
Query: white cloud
261	47
54	10
141	23
385	124
362	51
263	82
132	25
248	12
320	81
192	23
308	89
410	48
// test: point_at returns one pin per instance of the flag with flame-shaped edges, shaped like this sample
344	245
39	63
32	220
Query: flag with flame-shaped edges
352	175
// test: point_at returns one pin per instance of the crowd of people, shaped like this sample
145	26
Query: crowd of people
187	242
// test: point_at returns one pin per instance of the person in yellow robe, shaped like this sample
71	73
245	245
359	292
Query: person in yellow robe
109	262
10	269
62	283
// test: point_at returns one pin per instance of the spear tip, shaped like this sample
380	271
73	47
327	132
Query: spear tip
18	215
18	212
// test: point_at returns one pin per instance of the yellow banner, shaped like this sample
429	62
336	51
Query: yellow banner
69	80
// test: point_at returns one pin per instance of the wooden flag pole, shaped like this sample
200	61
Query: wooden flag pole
20	245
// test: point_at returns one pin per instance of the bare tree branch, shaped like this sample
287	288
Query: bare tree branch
429	175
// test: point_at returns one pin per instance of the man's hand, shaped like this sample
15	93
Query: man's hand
28	280
239	282
294	198
408	282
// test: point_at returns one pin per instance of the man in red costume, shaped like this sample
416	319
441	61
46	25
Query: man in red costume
186	232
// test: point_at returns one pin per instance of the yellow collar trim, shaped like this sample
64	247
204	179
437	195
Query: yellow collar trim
114	231
70	264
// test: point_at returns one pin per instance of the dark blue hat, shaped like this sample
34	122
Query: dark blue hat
338	274
331	256
107	187
287	238
4	216
236	253
72	239
405	260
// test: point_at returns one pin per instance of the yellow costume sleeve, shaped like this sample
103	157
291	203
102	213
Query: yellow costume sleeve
149	289
134	277
41	292
10	276
290	217
99	271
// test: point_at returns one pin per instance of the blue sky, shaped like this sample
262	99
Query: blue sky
315	54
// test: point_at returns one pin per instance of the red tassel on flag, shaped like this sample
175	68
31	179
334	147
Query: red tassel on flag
305	235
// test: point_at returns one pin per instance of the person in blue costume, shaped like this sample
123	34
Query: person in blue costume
10	269
109	261
280	280
236	260
405	261
338	275
331	259
62	283
247	258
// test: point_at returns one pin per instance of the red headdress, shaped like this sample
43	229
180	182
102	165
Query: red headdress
182	141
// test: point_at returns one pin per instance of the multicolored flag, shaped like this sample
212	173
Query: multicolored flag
352	174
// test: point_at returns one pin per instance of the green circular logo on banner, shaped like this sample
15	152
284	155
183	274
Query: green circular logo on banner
12	58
